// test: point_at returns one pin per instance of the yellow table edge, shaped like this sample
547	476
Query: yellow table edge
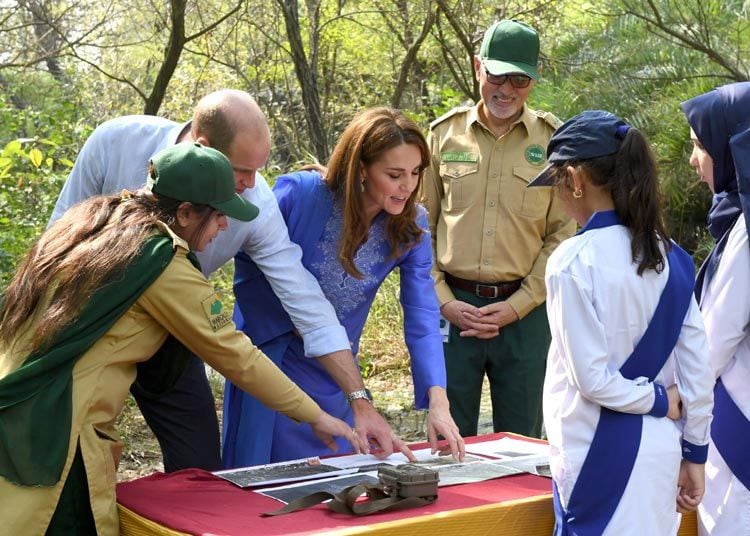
532	515
132	524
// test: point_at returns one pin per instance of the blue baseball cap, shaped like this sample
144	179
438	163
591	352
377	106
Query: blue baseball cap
588	135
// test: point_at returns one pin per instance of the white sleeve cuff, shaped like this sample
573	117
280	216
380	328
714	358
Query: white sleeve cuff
325	340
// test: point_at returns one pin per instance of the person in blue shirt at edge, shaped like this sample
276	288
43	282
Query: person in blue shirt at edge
356	221
720	132
627	343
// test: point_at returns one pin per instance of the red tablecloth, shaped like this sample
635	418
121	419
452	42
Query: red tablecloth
195	501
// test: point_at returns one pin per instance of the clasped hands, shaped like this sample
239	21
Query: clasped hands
480	322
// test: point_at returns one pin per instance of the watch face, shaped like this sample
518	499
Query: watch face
362	394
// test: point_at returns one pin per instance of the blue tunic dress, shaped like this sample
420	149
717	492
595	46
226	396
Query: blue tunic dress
253	434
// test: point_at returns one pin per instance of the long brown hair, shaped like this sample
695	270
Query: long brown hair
632	179
370	134
92	242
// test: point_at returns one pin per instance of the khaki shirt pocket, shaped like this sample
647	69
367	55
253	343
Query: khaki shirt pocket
527	202
459	184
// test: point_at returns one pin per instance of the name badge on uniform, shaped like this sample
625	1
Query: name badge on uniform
460	156
217	315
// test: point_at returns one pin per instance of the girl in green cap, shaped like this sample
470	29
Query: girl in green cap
99	292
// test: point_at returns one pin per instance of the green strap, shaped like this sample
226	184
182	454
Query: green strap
36	399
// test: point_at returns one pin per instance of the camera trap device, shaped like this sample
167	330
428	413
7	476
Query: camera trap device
409	480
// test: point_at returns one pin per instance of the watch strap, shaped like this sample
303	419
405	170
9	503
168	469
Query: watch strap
361	394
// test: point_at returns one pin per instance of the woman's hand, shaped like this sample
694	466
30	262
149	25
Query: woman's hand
440	422
675	403
327	427
690	486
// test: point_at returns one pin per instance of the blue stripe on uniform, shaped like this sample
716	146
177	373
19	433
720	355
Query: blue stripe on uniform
601	484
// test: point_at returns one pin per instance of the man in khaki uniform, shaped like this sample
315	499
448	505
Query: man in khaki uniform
492	236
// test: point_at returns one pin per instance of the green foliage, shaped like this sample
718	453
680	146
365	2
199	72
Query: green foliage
625	59
33	167
620	55
382	345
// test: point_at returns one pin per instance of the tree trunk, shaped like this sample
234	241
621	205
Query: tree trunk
172	55
465	80
409	59
306	77
47	39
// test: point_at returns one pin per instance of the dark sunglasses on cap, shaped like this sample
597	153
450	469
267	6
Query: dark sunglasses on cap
518	81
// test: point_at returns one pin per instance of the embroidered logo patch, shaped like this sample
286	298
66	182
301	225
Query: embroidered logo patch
535	154
464	156
217	315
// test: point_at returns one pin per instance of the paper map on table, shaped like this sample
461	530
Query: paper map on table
507	447
525	456
279	473
511	456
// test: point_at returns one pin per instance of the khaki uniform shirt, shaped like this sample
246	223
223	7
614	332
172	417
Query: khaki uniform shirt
486	225
181	301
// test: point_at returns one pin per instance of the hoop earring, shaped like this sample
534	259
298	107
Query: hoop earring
577	193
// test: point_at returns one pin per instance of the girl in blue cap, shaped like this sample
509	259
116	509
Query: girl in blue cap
627	336
97	294
720	131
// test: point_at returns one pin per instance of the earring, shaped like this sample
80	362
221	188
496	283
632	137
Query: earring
578	193
360	185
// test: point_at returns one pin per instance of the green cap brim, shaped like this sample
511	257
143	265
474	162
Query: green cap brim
237	208
498	67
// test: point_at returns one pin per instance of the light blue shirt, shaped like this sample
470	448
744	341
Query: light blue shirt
116	157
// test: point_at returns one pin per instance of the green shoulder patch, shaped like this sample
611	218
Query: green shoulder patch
535	154
218	316
459	156
550	118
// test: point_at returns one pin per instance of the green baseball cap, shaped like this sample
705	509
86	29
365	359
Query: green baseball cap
510	46
201	175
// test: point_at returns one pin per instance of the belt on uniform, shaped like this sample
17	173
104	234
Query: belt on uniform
483	290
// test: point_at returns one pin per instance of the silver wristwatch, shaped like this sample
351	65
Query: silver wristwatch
361	394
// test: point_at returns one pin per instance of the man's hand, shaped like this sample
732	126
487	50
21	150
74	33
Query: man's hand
675	404
375	434
487	321
691	485
439	421
463	315
327	427
454	310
